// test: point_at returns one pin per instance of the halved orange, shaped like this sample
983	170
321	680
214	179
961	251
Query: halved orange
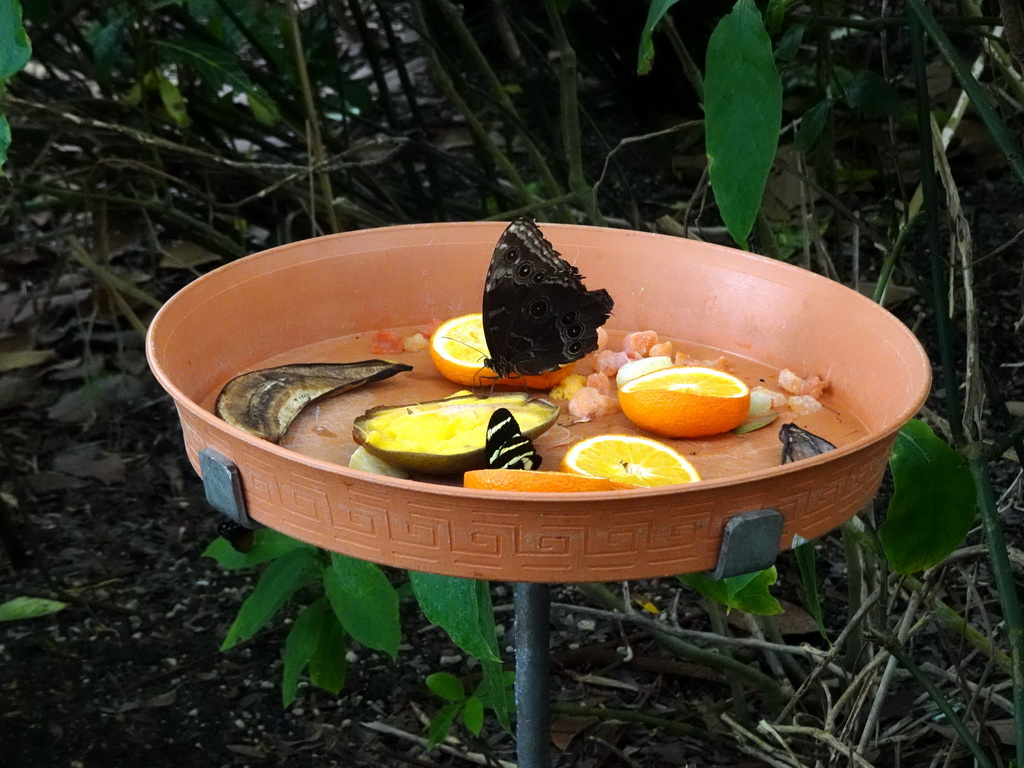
631	459
458	349
685	402
537	481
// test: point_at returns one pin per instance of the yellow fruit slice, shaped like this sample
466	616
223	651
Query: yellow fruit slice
685	402
537	481
458	349
628	459
446	436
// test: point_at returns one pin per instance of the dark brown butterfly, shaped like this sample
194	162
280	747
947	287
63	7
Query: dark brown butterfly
798	443
537	314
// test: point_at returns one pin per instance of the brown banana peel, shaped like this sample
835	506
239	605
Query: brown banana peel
265	402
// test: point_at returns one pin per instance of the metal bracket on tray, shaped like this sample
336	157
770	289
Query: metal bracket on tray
223	486
750	543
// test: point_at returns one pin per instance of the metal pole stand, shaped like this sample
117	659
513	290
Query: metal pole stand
533	675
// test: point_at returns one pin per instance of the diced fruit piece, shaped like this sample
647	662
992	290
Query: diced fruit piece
568	387
446	436
629	459
685	402
458	349
386	342
635	368
776	400
608	362
803	405
588	403
600	382
534	481
639	343
415	342
790	382
662	349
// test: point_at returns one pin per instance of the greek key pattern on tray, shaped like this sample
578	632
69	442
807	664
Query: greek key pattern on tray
483	538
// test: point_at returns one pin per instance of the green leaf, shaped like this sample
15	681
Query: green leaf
301	644
872	95
106	42
29	608
462	608
806	560
776	13
657	11
16	49
497	691
172	100
328	667
747	592
5	140
933	505
447	686
266	545
282	579
442	723
743	116
219	69
811	125
473	715
789	43
364	601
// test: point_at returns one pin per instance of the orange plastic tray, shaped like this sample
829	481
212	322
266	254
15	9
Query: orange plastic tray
321	300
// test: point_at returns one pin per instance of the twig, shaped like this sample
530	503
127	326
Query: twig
840	749
316	145
472	757
570	114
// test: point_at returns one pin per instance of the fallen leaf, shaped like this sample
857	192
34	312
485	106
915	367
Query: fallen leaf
187	255
12	361
88	460
96	397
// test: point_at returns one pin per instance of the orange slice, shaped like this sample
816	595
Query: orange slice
458	350
628	459
685	402
536	481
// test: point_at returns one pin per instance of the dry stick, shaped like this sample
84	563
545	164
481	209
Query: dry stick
748	743
472	757
769	688
447	85
841	750
312	120
890	670
570	113
826	662
499	93
635	139
634	716
988	692
961	250
693	634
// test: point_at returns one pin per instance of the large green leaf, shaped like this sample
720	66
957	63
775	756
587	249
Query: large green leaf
266	545
872	95
16	49
282	579
933	505
329	665
657	11
29	608
301	644
462	608
747	592
743	116
364	601
220	69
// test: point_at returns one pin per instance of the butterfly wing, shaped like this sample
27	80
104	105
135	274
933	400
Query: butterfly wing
507	447
537	314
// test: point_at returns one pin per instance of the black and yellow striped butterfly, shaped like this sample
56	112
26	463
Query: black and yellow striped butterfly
507	447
